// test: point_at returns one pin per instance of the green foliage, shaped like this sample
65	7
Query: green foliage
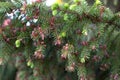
5	7
67	40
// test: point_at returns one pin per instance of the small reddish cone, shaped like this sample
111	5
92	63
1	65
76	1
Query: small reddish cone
6	22
66	47
63	56
84	43
38	54
93	47
70	68
58	41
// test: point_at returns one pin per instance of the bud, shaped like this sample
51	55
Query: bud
38	54
17	43
93	47
63	56
70	68
54	12
66	47
82	60
58	42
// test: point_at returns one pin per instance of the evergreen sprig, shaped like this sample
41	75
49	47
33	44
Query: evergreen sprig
48	41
